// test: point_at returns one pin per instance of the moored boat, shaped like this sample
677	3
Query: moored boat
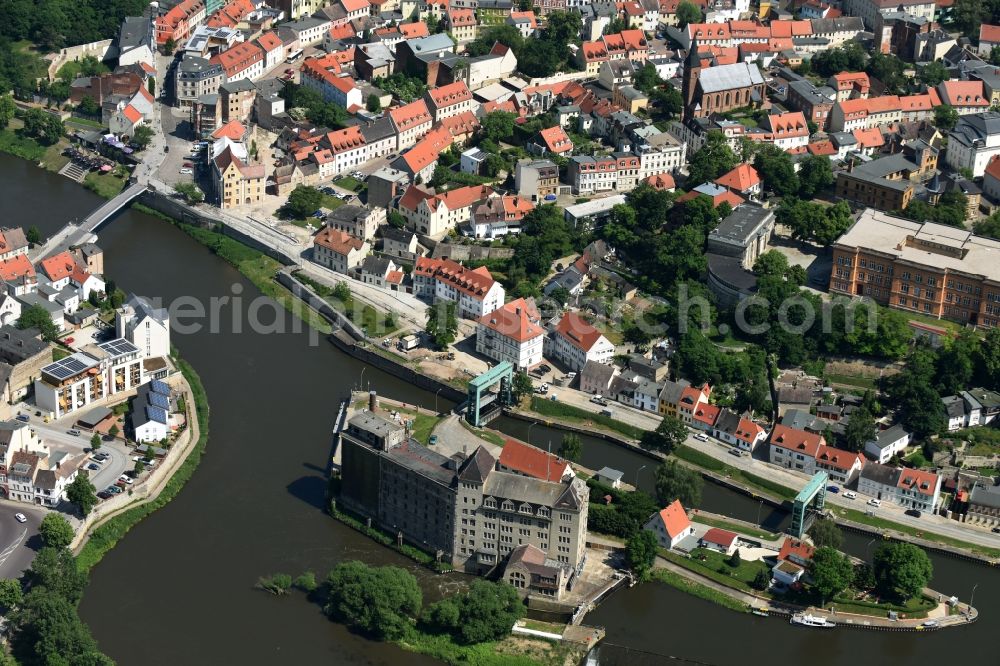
807	620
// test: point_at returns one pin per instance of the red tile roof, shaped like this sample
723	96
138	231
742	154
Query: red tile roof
821	148
16	268
461	18
239	58
462	124
132	113
578	332
869	138
993	168
411	115
348	138
918	480
740	179
796	440
337	241
531	461
706	413
720	537
838	458
59	266
662	181
453	93
269	41
674	518
474	283
964	93
852	80
799	550
427	149
989	33
414	30
556	140
517	320
355	5
233	130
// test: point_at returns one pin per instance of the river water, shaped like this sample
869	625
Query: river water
178	589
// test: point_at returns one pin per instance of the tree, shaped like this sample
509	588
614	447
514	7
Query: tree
95	442
55	569
88	107
967	15
7	109
497	126
815	175
47	630
380	601
487	611
571	447
640	552
762	580
33	235
668	435
442	616
945	117
902	569
374	104
860	430
11	594
912	391
831	572
82	493
687	12
169	46
143	135
676	482
776	170
888	69
151	86
43	126
647	79
522	386
302	202
864	577
396	220
815	222
191	192
35	316
825	532
712	160
442	323
988	226
933	73
735	560
113	430
55	531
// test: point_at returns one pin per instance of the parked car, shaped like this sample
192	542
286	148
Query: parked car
874	502
735	452
93	467
69	341
913	512
186	171
104	494
23	417
833	489
125	479
701	437
850	494
20	517
996	530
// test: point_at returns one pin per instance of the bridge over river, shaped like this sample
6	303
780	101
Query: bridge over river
78	233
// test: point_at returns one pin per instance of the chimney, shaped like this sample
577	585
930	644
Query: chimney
372	401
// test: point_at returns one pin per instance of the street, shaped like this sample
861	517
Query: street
17	540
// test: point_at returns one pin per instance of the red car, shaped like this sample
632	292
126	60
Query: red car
68	341
189	165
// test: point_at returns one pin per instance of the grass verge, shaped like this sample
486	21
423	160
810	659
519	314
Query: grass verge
104	538
697	589
374	321
511	651
106	185
572	414
735	527
881	523
705	461
259	269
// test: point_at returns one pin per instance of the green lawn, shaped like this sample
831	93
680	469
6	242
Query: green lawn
375	322
331	202
706	461
734	527
851	380
348	183
716	566
697	589
569	413
86	122
106	185
490	436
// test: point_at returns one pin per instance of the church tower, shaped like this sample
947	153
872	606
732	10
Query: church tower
692	71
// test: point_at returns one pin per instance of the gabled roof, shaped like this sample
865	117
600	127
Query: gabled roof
410	115
426	151
796	440
918	481
58	266
16	268
720	537
674	518
531	461
838	458
556	139
132	113
338	241
575	330
989	33
742	178
794	548
963	93
413	30
517	320
233	130
447	95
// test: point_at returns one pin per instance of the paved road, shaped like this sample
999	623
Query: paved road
16	539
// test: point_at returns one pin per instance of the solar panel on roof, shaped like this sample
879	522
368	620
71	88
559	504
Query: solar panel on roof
159	400
119	347
67	367
159	387
156	414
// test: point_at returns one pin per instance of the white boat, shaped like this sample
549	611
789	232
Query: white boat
807	620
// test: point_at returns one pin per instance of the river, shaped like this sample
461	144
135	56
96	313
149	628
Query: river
178	589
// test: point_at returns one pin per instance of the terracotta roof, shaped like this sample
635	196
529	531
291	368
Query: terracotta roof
964	93
556	139
16	268
233	130
461	18
355	5
706	413
838	458
578	332
993	168
462	124
674	518
869	138
720	537
337	241
517	320
414	30
796	440
741	178
989	33
662	181
342	31
394	277
411	115
269	41
917	480
238	58
747	431
59	266
851	80
453	93
413	196
531	461
348	138
788	124
427	149
821	148
793	547
461	197
529	16
132	113
474	283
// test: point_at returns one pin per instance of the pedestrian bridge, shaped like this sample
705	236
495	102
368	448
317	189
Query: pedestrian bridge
101	215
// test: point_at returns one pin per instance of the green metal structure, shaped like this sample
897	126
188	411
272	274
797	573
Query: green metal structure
814	493
483	405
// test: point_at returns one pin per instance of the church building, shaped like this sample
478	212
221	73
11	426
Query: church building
719	88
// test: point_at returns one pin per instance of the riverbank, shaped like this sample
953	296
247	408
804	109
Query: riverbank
96	541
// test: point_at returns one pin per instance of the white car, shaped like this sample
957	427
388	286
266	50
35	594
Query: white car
125	479
20	517
186	171
701	437
850	494
874	502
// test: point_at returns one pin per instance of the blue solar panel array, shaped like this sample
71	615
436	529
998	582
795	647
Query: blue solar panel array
159	387
156	414
158	400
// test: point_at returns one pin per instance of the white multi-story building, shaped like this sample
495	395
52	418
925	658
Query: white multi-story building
449	100
310	30
887	444
338	251
974	142
145	326
474	291
435	215
411	121
574	342
910	488
869	10
90	375
512	333
794	448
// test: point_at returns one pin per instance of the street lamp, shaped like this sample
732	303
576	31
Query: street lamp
436	400
533	424
361	380
869	546
636	485
759	508
972	596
